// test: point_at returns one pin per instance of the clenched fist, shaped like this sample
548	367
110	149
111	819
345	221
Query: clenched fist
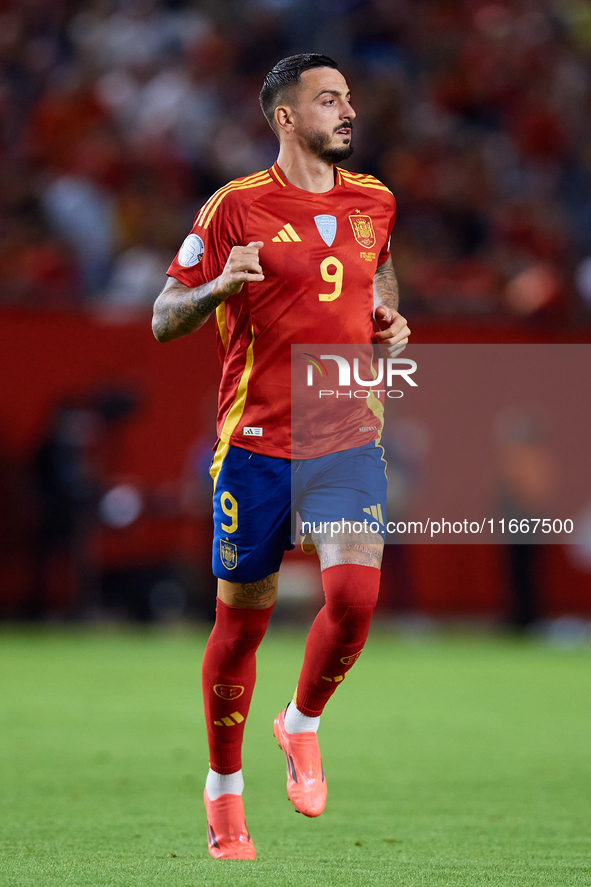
242	267
393	330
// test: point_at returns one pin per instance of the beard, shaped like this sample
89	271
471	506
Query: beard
319	144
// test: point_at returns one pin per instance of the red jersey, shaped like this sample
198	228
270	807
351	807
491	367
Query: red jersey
319	258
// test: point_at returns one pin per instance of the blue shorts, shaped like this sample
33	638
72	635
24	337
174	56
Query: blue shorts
256	498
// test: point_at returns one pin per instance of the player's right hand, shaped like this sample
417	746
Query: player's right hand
242	267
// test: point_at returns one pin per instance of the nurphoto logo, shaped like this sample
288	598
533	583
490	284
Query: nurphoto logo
385	372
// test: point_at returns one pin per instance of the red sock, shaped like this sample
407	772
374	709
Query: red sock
228	675
338	633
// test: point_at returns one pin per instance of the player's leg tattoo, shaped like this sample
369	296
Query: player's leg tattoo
250	595
344	548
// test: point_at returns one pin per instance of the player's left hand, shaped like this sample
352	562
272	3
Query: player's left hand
393	330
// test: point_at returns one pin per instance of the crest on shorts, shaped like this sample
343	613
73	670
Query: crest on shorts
363	230
327	228
228	554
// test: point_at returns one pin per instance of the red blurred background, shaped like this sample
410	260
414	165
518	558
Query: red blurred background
118	118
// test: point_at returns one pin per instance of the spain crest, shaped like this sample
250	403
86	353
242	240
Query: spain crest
228	554
363	230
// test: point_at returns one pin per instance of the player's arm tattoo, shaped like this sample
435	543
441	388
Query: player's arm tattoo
180	310
385	286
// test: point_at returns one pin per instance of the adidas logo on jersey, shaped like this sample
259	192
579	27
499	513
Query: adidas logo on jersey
287	235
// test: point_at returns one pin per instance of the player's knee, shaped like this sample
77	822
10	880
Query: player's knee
352	622
351	585
351	593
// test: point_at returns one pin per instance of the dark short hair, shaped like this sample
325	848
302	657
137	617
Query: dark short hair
284	76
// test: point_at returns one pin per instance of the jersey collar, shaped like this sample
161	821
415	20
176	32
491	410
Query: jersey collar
279	177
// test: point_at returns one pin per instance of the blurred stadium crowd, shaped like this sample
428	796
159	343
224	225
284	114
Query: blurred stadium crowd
119	117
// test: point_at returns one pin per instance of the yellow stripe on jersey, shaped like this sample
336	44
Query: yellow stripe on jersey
220	316
235	412
377	408
235	187
356	175
206	217
360	175
278	177
375	404
369	185
204	209
245	180
369	181
364	181
214	201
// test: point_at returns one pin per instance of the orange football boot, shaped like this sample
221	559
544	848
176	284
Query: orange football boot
227	835
306	783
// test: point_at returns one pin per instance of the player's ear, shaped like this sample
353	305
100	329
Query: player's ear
284	118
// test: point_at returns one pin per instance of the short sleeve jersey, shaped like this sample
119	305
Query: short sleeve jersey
319	258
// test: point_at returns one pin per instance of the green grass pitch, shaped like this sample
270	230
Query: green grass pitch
449	762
